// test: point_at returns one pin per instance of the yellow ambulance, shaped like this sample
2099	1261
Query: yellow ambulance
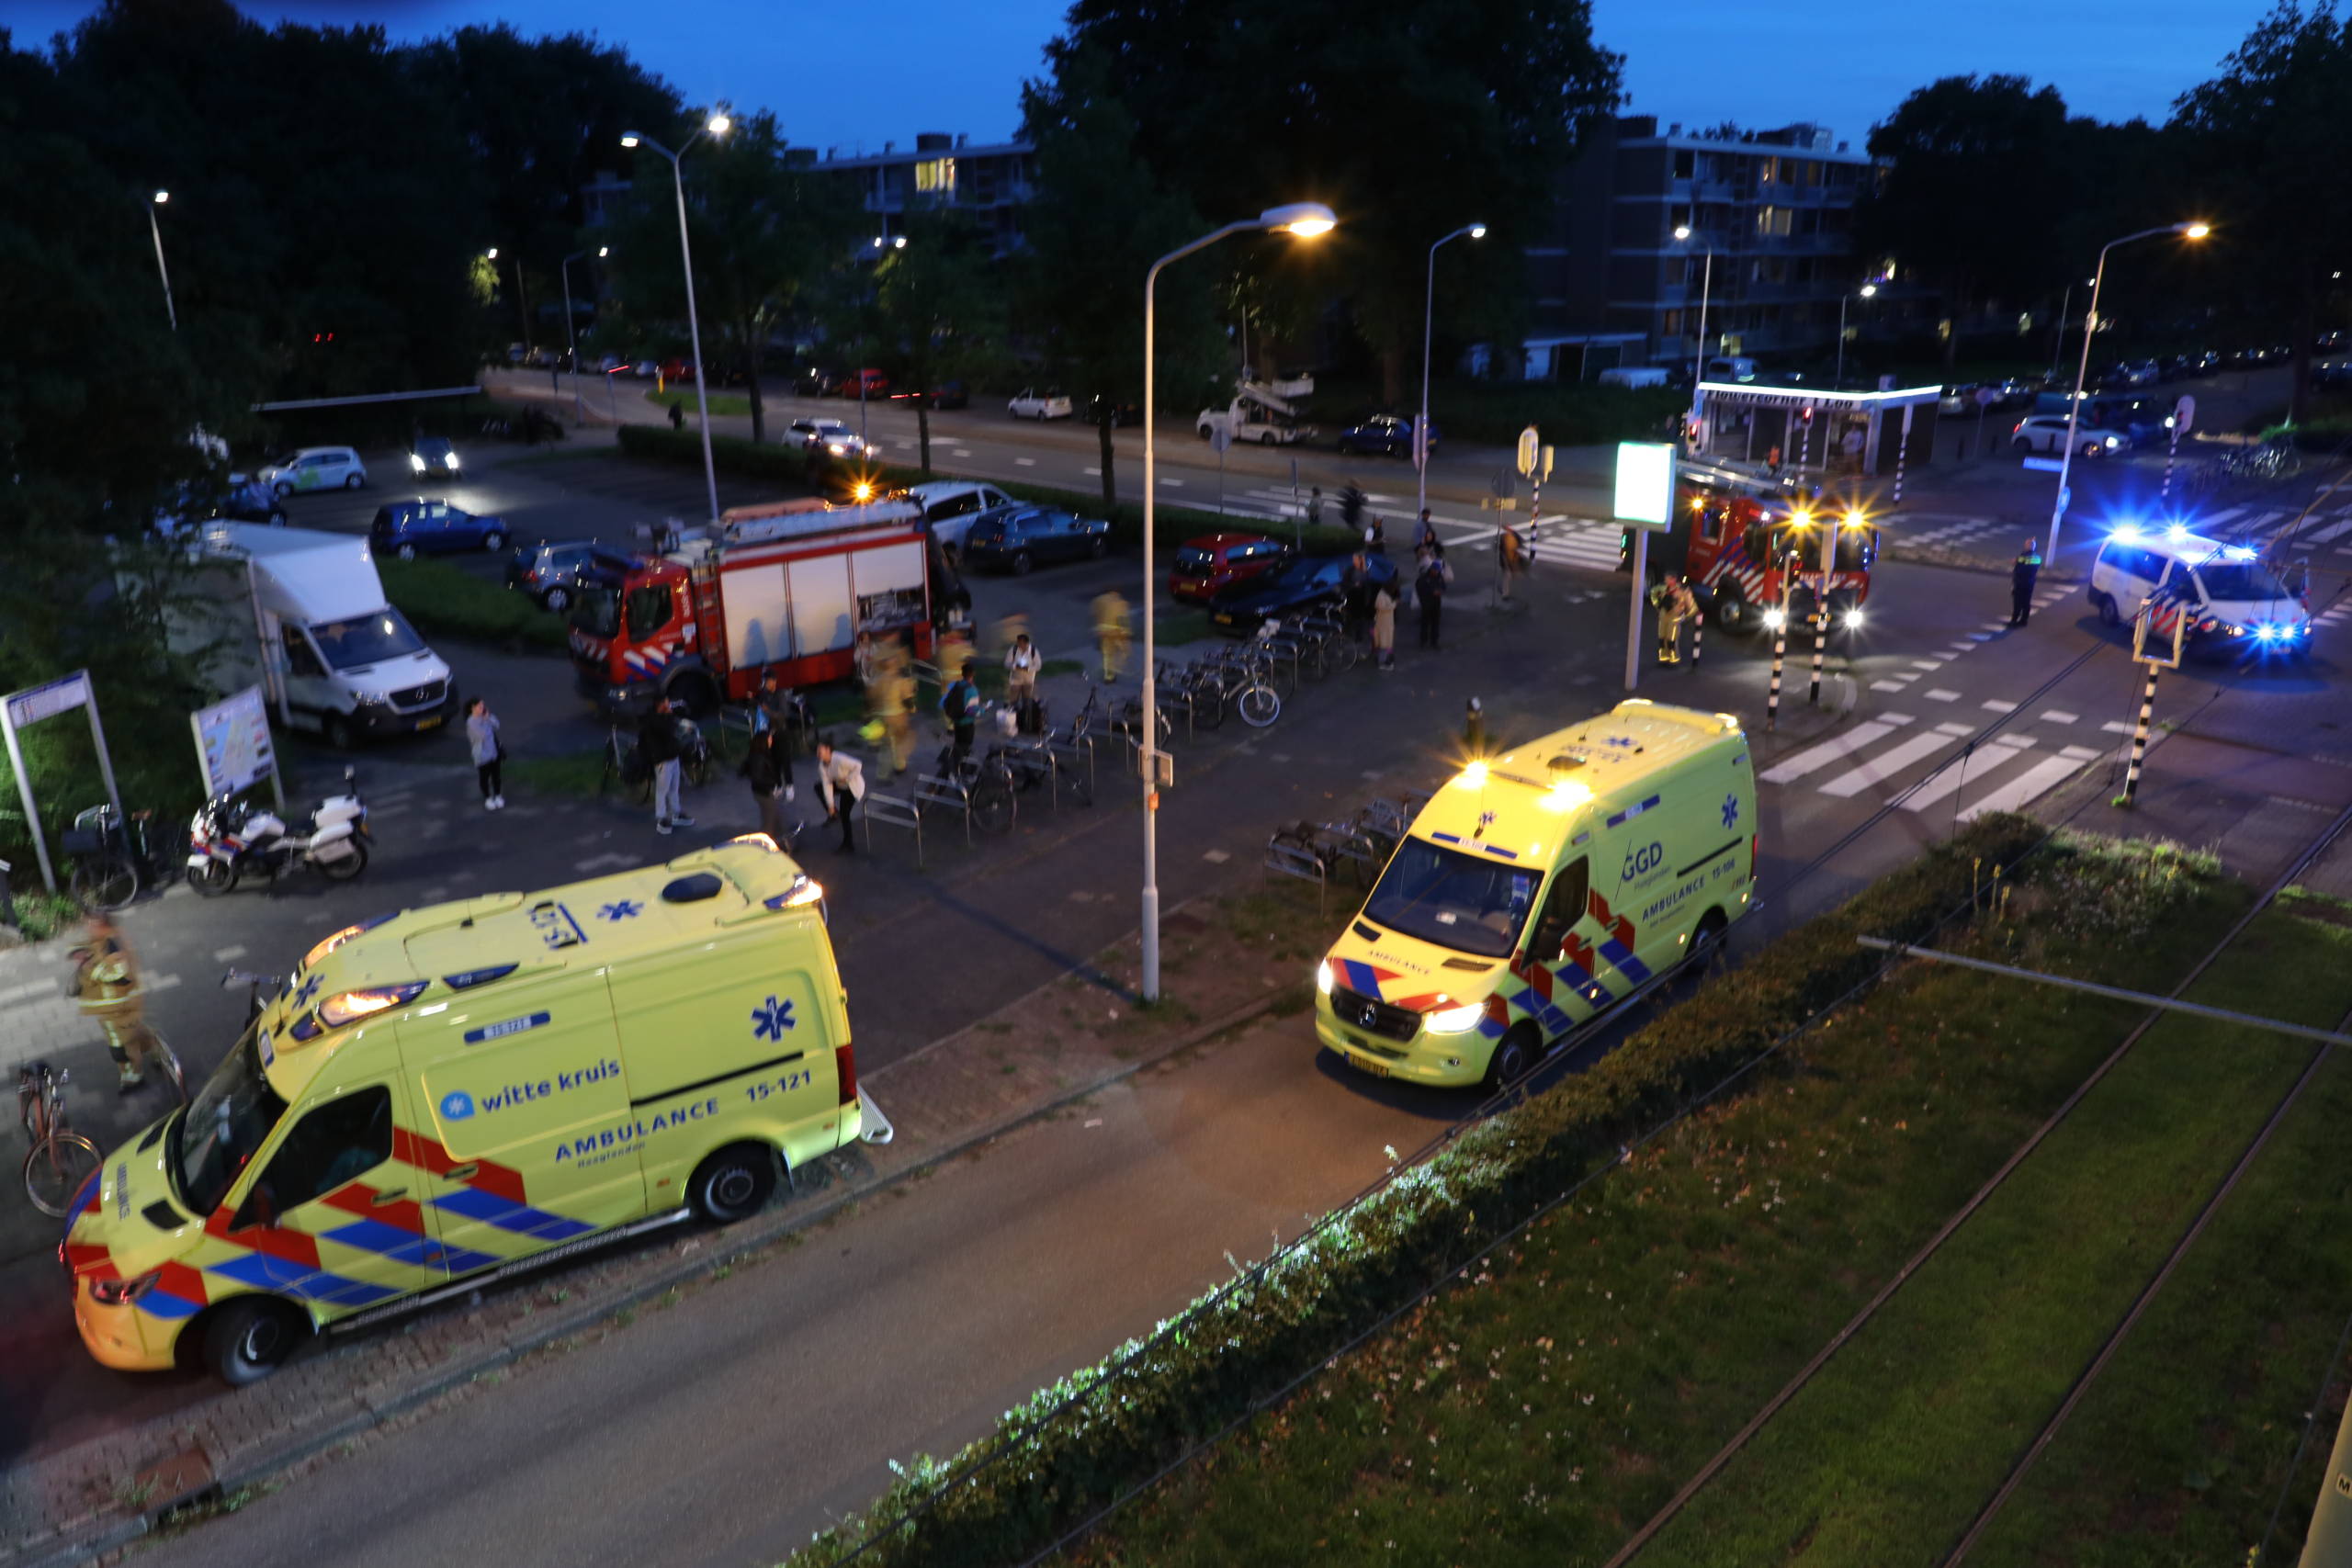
1541	888
449	1092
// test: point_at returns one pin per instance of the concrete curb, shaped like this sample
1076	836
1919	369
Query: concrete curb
545	1329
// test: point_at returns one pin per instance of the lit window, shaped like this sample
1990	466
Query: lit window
936	174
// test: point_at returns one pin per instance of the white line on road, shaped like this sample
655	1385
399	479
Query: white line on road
226	954
2116	727
1937	695
1990	755
1997	706
596	863
1889	762
2052	716
1095	473
1829	752
2029	786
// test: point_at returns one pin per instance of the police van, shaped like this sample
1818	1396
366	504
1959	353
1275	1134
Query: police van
452	1093
2235	600
1541	888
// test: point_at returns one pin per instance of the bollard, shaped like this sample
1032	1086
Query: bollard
1698	634
1901	448
1780	650
2139	739
2171	455
1820	647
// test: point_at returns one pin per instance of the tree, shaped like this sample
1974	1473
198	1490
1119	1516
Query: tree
765	228
2265	136
938	304
1242	106
1099	221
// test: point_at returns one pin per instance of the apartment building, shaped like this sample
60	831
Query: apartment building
992	182
1612	283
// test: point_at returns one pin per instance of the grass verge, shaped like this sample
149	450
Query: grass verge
442	600
574	772
722	403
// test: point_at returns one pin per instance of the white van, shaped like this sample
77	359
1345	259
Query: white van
2240	603
316	467
1731	368
949	506
303	613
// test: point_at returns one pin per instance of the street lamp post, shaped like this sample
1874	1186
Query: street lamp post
1306	221
157	229
717	125
570	338
1866	291
1429	320
2083	369
1684	233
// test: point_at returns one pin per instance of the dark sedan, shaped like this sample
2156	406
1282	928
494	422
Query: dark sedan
427	526
552	573
1385	434
1305	584
1016	538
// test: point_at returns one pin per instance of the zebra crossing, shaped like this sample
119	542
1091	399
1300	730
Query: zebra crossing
1932	768
1955	530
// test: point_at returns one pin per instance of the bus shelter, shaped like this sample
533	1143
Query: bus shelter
1819	431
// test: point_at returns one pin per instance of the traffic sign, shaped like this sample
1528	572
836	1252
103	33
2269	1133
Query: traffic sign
1221	434
1988	396
1528	444
2184	414
1645	484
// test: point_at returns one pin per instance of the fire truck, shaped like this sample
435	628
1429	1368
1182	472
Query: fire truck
1747	539
789	587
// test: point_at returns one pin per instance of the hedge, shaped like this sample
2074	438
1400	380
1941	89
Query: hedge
769	459
1080	1444
442	600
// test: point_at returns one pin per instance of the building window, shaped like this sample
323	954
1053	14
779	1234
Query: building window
1813	173
1685	164
936	174
1677	216
1767	170
1674	324
1772	220
1677	272
984	183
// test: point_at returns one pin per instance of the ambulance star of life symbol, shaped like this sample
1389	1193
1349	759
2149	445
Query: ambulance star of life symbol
1731	809
1486	821
771	1019
309	989
621	910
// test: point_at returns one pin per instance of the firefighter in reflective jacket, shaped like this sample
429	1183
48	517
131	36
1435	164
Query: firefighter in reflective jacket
1674	602
106	986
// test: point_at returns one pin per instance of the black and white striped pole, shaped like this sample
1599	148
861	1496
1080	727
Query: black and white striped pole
1821	606
2140	738
1698	624
2184	414
1901	448
2141	625
1780	620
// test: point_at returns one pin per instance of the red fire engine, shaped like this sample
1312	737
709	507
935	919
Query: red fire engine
1745	542
789	587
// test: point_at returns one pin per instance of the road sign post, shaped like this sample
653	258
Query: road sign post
2184	414
1644	503
2151	626
1221	438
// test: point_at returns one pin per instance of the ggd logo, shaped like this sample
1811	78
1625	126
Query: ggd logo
456	1106
1640	860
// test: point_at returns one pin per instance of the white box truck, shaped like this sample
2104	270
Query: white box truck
303	613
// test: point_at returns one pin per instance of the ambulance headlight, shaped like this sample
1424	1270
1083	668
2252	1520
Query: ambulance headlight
1453	1020
349	1007
1323	977
805	890
115	1293
1853	619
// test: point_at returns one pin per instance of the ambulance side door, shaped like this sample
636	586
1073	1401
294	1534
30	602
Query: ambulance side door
333	1217
727	1040
1629	866
525	1129
1560	941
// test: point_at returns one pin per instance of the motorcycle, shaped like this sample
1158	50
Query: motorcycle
228	840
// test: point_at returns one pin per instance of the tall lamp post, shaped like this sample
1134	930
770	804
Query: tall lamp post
2083	369
570	338
1866	291
717	125
1306	221
157	229
1684	233
1428	321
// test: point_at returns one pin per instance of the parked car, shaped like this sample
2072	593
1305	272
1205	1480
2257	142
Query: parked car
1119	413
2336	377
1304	583
869	382
1031	403
676	371
195	503
433	455
316	467
1959	399
1018	537
550	573
429	525
950	505
946	395
611	364
1386	435
815	381
645	370
1208	566
2047	433
829	436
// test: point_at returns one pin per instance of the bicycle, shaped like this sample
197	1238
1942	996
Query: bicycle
114	859
61	1159
988	785
625	762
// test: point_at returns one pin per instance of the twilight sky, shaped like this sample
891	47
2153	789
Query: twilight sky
846	73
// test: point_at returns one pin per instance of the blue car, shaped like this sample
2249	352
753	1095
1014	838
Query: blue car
1307	584
1383	435
1017	537
427	526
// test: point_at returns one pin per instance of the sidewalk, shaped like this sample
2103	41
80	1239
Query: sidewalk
1227	959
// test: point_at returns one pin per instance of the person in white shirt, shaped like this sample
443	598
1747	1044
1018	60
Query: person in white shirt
841	778
1021	667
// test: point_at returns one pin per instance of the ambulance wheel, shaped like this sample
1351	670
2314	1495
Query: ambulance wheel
250	1338
733	1184
1708	937
1514	1056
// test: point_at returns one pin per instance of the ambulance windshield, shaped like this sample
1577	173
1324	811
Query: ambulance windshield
1471	903
225	1126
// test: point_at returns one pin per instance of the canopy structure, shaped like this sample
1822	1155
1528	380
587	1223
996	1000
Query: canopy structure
1820	430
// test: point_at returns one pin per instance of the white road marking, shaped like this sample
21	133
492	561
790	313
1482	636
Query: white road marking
1886	685
2116	727
1095	473
596	863
1891	761
1829	752
1997	706
1988	757
228	955
2052	716
959	451
1928	664
2031	784
1937	695
1025	462
1173	484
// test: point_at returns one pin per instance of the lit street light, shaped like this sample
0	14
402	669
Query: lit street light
1304	221
1429	319
571	340
157	229
2082	371
1866	291
715	125
1706	284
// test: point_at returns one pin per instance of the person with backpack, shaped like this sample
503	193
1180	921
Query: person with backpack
960	704
1430	588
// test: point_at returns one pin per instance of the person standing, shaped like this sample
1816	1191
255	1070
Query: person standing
1111	631
960	704
1022	663
677	417
1511	559
1383	626
2022	572
898	710
1429	587
488	752
657	737
1375	536
107	988
768	769
1314	506
841	780
1424	531
1673	601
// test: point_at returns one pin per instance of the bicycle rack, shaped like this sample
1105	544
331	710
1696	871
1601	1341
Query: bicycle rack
953	793
1069	750
1291	860
895	812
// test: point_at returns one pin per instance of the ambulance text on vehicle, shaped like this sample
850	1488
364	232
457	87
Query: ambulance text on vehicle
1541	888
456	1091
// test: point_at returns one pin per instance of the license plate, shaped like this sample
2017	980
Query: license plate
1366	1063
428	723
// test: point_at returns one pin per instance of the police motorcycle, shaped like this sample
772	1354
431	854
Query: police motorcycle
229	840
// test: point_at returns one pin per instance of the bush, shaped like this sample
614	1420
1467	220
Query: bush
1080	1443
442	600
